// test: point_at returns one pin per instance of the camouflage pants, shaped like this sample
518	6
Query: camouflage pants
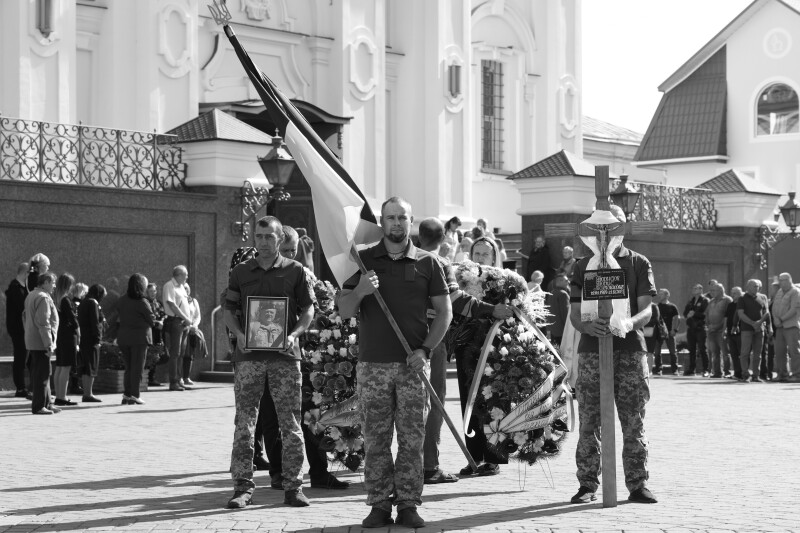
631	394
392	395
284	380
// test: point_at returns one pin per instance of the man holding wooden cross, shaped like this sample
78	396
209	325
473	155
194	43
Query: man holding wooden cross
631	385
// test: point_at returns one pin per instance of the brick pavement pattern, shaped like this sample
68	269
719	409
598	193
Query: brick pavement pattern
724	457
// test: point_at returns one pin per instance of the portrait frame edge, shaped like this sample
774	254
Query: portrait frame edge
281	318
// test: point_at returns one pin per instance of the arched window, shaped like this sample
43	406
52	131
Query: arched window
778	110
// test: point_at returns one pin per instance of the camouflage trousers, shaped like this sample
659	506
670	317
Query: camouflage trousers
631	394
392	395
284	381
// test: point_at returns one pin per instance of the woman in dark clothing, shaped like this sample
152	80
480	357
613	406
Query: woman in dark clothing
158	329
15	304
136	320
67	339
90	320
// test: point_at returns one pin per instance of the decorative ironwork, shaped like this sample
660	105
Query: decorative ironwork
84	155
677	207
769	236
253	200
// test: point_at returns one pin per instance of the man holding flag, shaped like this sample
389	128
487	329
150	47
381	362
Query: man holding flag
390	391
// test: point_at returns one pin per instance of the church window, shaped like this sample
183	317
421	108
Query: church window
491	115
778	110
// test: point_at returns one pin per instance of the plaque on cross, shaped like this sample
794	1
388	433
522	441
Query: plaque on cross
604	286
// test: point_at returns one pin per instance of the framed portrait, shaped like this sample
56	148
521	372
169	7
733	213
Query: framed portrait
266	323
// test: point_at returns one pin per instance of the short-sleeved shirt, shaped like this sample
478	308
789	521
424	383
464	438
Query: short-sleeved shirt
285	278
668	312
754	308
639	278
406	284
175	293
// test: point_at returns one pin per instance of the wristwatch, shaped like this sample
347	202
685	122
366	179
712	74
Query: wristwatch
426	350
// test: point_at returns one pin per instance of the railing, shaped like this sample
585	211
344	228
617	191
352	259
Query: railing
83	155
678	207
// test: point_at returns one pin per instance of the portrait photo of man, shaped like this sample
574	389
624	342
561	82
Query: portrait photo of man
266	319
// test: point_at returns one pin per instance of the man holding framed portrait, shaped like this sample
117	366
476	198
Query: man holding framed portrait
266	323
272	296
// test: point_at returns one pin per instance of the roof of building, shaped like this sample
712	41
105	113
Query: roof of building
598	130
690	120
563	163
218	125
719	40
737	181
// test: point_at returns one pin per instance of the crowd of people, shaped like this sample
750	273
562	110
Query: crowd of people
54	319
747	335
52	316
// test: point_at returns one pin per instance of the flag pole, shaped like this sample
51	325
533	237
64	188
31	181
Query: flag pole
435	401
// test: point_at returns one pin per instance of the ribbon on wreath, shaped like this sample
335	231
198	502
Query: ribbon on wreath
345	413
542	399
621	322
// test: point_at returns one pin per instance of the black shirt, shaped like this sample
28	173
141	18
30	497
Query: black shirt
668	312
697	304
15	304
639	277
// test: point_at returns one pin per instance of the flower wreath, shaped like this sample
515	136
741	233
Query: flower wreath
523	404
330	353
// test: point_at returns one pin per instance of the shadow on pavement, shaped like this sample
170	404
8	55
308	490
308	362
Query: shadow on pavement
135	482
168	509
484	519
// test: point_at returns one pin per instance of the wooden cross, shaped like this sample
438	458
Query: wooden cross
603	232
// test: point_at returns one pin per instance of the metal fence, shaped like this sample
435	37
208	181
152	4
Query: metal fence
45	152
677	207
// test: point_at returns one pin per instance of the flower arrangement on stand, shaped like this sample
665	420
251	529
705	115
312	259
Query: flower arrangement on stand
521	402
330	354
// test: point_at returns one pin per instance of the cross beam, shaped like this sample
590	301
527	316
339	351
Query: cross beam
604	310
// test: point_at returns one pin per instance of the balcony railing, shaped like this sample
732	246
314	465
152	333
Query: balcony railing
45	152
678	207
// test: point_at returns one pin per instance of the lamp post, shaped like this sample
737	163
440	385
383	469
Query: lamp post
625	196
769	233
277	166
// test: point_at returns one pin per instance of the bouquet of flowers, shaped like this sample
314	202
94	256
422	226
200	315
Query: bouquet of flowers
330	354
521	402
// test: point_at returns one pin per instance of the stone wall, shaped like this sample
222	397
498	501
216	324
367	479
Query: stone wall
103	235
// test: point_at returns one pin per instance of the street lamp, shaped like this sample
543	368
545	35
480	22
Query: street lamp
277	166
769	233
625	196
791	212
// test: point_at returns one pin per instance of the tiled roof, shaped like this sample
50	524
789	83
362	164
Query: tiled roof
735	181
603	131
218	125
561	163
719	40
690	119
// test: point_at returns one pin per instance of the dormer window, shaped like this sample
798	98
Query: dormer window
778	110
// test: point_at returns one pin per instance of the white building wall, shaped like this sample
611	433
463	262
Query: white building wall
148	64
752	65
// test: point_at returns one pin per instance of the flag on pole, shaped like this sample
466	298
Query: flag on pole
344	217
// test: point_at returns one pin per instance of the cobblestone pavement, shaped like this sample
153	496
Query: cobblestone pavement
723	456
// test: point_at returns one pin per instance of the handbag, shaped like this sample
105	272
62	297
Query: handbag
648	331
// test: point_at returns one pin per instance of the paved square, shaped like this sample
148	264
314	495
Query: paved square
723	456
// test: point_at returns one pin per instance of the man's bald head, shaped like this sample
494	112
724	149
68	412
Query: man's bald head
431	233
